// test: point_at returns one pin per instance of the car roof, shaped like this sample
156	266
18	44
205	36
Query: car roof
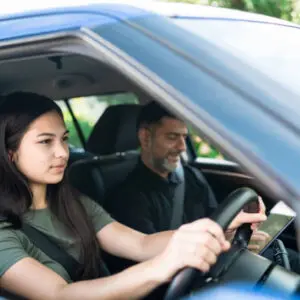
24	9
50	16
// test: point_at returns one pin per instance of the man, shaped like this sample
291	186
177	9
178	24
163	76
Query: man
145	199
150	187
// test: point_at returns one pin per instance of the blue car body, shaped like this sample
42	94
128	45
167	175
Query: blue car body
64	19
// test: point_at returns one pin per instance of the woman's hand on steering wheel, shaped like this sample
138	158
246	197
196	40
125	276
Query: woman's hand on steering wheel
196	245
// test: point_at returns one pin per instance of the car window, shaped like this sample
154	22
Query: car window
209	92
255	43
87	111
74	139
202	147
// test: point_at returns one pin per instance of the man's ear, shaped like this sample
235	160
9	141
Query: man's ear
143	136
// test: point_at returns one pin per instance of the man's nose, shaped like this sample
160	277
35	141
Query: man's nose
182	144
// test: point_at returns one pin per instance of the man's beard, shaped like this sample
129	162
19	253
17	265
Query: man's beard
163	164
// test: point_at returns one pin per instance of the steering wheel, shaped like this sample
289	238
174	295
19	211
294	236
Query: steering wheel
224	215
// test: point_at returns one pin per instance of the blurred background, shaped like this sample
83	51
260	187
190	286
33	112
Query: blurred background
284	9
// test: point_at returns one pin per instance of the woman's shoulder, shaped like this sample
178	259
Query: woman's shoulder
16	245
85	200
96	213
7	229
9	234
13	246
89	204
5	225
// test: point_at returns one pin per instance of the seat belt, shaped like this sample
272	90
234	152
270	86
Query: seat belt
41	241
55	252
178	199
58	254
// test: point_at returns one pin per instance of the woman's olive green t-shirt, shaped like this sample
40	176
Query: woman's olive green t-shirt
15	245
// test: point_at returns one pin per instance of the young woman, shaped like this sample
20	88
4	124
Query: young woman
33	190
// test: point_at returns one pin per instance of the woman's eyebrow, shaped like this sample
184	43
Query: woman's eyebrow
46	134
51	134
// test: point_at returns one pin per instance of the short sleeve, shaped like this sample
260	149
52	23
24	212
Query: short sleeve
99	217
11	250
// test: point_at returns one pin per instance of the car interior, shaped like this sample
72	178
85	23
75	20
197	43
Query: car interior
110	152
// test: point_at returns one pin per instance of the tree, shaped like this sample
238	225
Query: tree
277	8
284	9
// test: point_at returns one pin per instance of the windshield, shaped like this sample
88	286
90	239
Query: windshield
273	49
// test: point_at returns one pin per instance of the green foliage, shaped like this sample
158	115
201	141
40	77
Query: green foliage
277	8
85	126
186	1
284	9
202	148
116	99
83	113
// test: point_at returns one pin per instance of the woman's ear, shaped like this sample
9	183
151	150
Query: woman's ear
11	156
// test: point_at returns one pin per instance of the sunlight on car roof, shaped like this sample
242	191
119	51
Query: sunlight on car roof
16	6
169	9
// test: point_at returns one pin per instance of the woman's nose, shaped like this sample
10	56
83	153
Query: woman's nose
62	150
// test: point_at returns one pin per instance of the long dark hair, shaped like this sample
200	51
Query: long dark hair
17	111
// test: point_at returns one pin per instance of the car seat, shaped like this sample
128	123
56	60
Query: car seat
114	144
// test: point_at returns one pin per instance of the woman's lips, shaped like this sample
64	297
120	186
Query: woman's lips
58	168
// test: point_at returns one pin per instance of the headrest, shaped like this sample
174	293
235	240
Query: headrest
115	131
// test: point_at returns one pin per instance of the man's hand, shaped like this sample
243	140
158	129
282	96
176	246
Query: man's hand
258	238
261	210
255	219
